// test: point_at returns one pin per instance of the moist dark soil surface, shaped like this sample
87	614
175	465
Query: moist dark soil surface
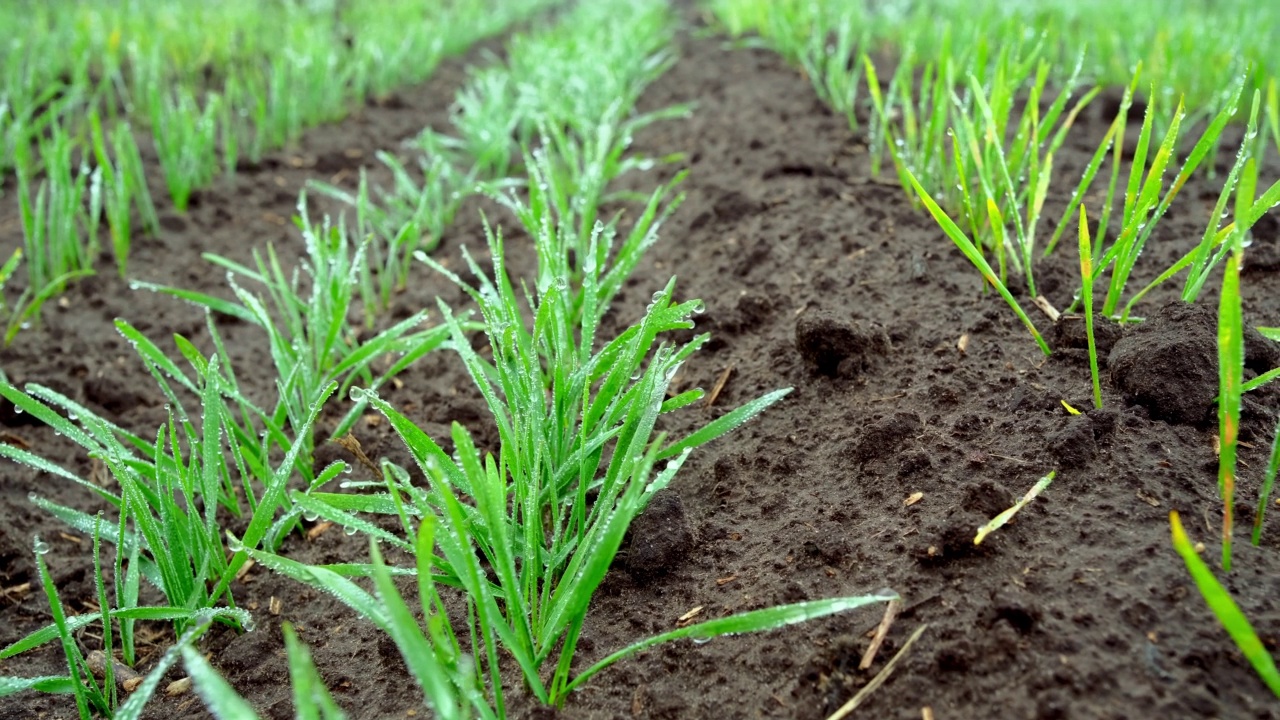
876	471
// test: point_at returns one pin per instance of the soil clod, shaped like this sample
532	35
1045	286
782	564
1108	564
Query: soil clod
883	437
1169	363
1070	333
660	537
1074	445
838	347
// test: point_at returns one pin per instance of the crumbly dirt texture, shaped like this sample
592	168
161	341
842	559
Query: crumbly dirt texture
816	276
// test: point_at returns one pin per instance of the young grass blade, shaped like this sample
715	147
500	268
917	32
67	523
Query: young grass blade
219	697
754	621
1086	294
1230	377
1086	180
1261	380
1264	495
724	424
419	655
351	594
273	497
50	684
311	699
70	650
127	612
1224	608
966	247
1000	520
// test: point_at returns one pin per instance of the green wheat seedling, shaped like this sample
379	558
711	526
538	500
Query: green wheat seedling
1143	205
913	128
1224	608
571	240
278	68
574	424
1086	296
1112	142
971	251
1225	40
59	220
170	487
186	139
1268	481
124	187
573	86
568	92
1230	378
1218	241
96	697
409	217
306	316
311	699
1249	207
831	57
1013	180
451	679
1273	110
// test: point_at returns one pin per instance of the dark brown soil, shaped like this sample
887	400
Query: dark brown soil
818	277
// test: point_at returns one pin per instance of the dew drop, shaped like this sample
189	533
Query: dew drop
32	496
561	283
310	516
699	307
39	546
349	530
657	296
701	640
18	410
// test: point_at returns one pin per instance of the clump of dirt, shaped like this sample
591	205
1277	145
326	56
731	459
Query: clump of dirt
1169	363
884	437
836	346
1074	445
1070	333
660	537
1264	254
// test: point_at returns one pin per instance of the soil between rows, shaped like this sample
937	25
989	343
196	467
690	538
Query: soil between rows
815	276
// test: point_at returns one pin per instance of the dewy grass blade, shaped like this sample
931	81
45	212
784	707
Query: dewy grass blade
49	684
754	621
418	653
974	255
311	699
219	697
1086	295
1230	377
1003	518
1224	608
75	660
1091	171
1264	494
